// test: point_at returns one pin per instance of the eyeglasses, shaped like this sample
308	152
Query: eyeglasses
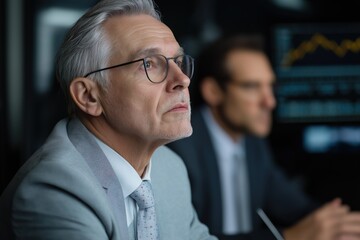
157	66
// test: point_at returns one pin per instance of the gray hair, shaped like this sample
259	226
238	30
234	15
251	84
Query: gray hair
86	47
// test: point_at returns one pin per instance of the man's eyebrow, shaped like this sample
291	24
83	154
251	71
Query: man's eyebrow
152	51
180	51
145	52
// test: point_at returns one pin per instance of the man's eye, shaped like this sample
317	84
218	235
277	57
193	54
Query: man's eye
153	62
250	86
148	64
179	63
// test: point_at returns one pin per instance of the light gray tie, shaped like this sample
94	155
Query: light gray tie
147	228
242	193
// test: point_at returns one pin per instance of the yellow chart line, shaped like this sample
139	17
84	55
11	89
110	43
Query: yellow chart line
317	41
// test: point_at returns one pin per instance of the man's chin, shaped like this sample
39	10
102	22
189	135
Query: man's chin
180	135
185	134
261	131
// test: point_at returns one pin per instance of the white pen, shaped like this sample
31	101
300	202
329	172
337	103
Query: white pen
269	224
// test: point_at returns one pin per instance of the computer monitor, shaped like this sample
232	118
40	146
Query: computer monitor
318	72
317	120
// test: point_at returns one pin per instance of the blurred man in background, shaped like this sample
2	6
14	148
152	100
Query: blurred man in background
231	170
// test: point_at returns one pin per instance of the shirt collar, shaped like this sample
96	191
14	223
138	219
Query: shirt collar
128	177
222	142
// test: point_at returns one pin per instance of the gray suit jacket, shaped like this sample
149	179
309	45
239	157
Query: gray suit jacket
68	190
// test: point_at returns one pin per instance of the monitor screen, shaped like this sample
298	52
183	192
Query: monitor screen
331	139
318	72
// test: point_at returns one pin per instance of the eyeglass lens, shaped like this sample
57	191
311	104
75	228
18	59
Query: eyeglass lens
157	66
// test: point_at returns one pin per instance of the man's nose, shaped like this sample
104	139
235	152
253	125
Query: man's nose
269	98
176	77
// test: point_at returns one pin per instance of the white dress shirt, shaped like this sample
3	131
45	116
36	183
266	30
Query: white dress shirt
128	177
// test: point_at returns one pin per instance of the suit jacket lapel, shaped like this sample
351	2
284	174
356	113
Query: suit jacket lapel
102	169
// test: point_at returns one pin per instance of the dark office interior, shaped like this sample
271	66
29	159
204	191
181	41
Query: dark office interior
316	132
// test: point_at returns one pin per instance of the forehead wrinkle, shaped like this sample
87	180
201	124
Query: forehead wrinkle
149	39
149	36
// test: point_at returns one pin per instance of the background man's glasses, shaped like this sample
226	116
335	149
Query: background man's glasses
156	66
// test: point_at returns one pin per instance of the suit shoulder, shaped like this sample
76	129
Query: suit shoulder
165	153
56	165
166	159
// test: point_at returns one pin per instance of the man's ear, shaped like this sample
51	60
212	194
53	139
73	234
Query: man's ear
211	92
85	94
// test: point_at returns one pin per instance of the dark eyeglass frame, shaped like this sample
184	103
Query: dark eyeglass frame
144	62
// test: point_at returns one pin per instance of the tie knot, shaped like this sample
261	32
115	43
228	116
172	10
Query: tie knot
143	195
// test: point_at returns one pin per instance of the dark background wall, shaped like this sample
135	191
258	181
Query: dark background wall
3	135
31	102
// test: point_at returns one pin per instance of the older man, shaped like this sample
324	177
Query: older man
103	173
